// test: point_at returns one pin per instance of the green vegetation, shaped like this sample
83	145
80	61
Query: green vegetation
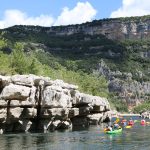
75	58
142	107
117	103
83	52
44	64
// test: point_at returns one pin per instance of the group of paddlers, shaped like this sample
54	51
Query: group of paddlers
128	123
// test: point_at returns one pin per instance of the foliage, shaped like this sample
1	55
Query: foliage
24	63
117	103
3	41
142	107
19	61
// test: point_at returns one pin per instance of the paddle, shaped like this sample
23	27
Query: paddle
117	120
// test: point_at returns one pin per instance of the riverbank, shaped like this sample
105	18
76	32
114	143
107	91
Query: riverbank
129	115
120	115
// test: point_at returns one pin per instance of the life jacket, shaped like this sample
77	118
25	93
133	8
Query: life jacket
143	122
131	122
124	120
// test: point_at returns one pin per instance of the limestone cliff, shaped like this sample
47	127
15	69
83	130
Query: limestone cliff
30	103
116	29
113	28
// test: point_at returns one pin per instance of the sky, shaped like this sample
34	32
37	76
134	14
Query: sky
63	12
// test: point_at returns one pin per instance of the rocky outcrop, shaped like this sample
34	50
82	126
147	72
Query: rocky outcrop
29	103
129	90
116	29
146	114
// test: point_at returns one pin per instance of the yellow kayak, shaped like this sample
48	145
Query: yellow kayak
128	127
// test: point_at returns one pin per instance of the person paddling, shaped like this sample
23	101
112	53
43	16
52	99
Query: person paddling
131	122
124	122
116	126
143	122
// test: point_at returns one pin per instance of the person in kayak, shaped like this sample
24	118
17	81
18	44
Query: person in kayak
143	122
131	122
124	122
109	128
116	126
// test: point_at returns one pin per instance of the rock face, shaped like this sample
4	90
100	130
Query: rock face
129	90
116	29
30	103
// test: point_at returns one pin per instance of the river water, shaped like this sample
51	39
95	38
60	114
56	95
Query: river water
93	138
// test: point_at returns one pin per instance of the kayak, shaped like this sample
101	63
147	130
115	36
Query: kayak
114	131
128	127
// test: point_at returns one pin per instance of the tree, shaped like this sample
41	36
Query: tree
3	42
19	60
33	67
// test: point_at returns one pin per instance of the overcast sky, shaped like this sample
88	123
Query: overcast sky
64	12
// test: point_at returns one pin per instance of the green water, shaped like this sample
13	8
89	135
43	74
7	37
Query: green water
93	138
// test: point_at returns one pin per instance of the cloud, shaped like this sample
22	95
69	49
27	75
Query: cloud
132	8
16	17
81	13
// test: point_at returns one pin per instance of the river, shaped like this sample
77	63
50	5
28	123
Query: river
93	138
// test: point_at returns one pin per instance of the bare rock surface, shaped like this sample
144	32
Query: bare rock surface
30	102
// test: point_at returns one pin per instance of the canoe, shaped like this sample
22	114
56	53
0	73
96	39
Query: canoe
114	131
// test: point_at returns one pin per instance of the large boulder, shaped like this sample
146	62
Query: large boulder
26	80
15	92
53	98
85	99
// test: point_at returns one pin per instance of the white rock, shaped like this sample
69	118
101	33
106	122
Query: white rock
15	113
26	80
15	92
3	114
52	98
64	85
3	103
